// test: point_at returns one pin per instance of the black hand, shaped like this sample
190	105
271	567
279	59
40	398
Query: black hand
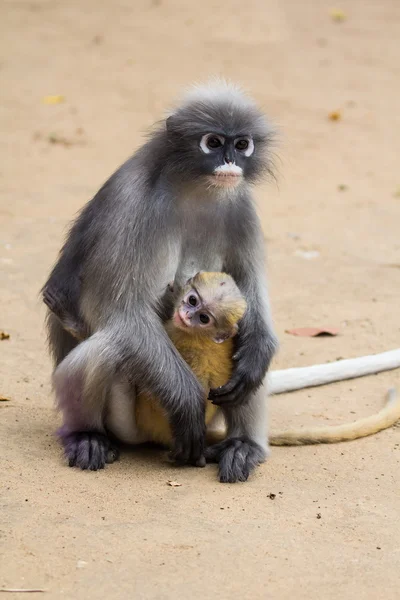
251	362
189	446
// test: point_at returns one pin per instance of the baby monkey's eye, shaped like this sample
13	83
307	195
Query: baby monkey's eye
204	318
192	300
242	145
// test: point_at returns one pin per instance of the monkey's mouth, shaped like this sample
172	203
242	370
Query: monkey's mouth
227	175
226	179
178	321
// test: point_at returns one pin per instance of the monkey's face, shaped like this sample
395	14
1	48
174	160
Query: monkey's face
217	160
221	144
194	317
224	158
206	315
191	313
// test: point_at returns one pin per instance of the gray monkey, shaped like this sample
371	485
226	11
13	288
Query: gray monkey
180	205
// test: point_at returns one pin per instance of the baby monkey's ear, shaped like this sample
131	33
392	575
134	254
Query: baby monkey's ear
222	336
191	279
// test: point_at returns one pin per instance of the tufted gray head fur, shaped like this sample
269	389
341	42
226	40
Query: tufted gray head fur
217	136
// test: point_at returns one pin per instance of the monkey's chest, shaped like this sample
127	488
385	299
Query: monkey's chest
202	244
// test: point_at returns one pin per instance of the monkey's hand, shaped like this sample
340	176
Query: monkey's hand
253	353
189	445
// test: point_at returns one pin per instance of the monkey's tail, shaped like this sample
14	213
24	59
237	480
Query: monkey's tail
287	380
332	434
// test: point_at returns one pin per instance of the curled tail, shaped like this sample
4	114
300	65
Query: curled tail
332	434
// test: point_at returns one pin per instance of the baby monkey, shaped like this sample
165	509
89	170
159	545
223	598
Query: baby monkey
206	313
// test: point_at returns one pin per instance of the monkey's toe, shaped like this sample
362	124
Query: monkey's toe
112	455
89	450
236	457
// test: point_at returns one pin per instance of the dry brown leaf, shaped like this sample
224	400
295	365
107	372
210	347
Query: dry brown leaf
54	138
4	335
313	331
338	15
53	99
335	115
4	399
173	483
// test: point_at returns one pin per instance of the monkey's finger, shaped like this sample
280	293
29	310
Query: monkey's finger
228	400
224	389
179	454
191	452
233	398
201	462
213	452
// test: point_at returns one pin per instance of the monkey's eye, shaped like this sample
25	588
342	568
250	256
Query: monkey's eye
242	145
245	145
204	318
192	300
214	142
210	142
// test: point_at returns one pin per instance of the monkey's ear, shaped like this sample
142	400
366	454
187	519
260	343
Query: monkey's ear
191	279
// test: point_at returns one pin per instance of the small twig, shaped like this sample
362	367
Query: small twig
21	590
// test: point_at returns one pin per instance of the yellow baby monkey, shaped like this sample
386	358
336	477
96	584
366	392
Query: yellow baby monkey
205	319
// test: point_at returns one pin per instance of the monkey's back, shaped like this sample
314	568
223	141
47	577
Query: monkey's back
212	365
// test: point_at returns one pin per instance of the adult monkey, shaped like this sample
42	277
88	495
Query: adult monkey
180	205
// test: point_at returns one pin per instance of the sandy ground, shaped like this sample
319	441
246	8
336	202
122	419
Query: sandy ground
123	533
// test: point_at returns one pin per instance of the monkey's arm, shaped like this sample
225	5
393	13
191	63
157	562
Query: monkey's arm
59	305
153	361
62	291
255	343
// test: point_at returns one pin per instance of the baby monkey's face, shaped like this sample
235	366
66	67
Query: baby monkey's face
193	315
210	306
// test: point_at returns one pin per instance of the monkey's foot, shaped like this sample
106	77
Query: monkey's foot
236	458
89	450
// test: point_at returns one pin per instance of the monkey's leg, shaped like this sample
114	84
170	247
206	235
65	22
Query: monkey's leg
120	417
246	444
80	383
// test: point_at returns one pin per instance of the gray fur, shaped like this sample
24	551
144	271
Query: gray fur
158	219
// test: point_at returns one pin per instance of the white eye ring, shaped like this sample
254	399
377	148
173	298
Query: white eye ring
204	140
250	148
